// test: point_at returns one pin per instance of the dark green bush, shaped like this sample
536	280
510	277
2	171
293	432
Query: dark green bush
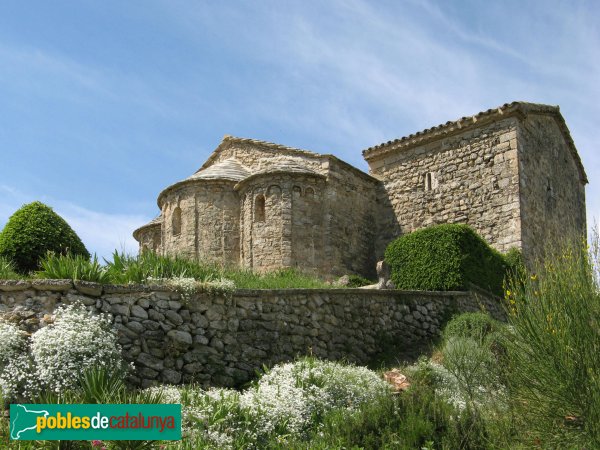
445	257
33	231
355	281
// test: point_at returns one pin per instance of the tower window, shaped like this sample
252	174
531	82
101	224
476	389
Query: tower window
430	181
259	208
176	221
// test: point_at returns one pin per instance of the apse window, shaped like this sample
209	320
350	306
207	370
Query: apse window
259	209
430	181
176	221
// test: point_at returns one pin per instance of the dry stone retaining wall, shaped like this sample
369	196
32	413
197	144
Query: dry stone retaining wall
219	340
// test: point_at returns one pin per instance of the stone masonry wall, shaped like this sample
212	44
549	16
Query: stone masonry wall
218	340
552	188
471	177
209	226
350	216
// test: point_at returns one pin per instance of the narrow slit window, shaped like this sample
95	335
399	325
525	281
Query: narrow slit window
176	221
259	209
430	181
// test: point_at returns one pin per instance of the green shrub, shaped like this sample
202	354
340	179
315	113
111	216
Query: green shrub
555	318
355	281
34	230
474	325
445	257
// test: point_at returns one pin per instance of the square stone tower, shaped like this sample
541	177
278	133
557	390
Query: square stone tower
512	173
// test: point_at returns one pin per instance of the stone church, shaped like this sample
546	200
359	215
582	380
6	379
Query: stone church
512	173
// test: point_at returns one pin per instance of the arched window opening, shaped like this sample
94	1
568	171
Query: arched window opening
297	190
259	208
310	193
176	221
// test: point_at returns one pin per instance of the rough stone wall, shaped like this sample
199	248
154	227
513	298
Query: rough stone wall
182	241
218	223
552	189
291	232
350	218
221	341
210	222
471	177
150	238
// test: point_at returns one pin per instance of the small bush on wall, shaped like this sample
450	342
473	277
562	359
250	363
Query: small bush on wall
443	258
34	230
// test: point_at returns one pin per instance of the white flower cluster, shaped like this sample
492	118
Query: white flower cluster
188	287
12	342
16	366
290	399
222	286
18	380
74	343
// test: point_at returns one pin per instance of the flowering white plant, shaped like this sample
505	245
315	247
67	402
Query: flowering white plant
74	343
289	398
188	287
12	342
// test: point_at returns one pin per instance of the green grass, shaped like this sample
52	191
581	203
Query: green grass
75	267
279	279
7	270
148	266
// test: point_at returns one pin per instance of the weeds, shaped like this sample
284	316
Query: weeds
555	316
7	270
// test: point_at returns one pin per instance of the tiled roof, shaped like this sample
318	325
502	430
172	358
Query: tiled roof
464	123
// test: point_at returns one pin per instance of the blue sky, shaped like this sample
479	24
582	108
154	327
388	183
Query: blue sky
103	104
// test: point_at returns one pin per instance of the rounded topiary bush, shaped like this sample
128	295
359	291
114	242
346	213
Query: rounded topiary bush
443	258
34	230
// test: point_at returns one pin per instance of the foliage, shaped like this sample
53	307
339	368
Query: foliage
7	269
473	325
355	281
445	257
34	230
137	269
287	399
69	267
286	403
15	364
74	343
515	263
555	317
277	279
